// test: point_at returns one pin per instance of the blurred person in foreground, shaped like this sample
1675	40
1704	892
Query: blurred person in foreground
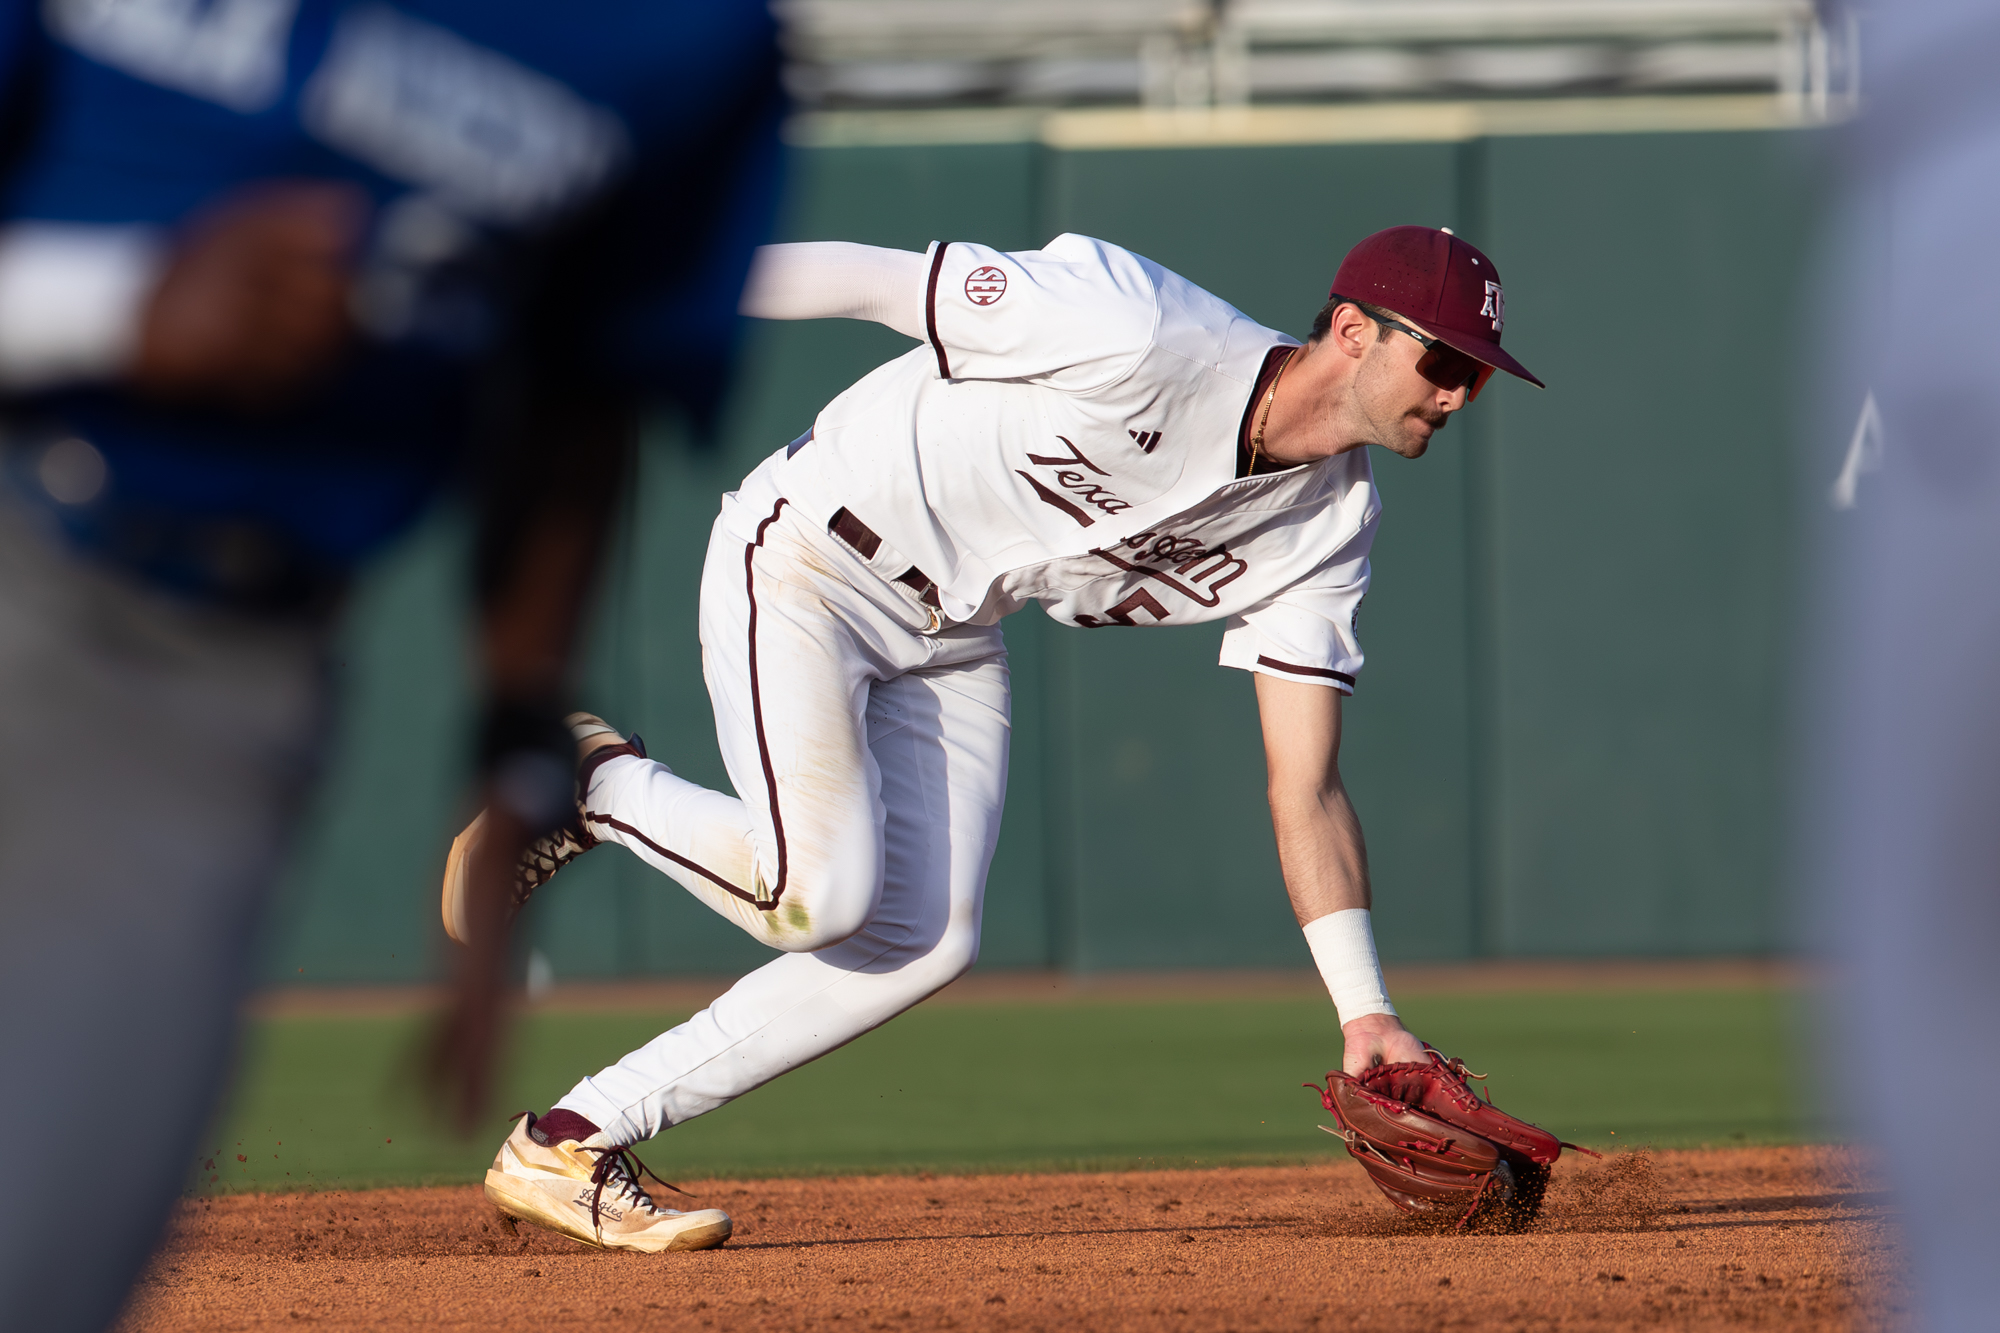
271	274
1903	741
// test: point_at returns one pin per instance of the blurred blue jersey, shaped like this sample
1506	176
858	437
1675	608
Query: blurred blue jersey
569	191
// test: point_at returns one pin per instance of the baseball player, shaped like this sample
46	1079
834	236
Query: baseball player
273	273
1080	428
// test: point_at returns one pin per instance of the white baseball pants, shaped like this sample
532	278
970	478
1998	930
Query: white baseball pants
870	751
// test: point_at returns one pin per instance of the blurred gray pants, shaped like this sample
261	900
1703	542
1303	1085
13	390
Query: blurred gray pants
152	759
1903	750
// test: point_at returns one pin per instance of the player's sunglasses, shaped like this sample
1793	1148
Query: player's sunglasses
1441	364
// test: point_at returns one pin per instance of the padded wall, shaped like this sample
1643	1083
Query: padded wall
1565	738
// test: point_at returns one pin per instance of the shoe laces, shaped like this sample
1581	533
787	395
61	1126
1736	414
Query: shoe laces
618	1171
549	853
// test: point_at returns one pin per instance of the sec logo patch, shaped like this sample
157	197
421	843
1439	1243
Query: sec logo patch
985	285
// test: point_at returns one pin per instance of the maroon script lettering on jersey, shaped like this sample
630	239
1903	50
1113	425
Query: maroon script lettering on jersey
1075	482
1193	563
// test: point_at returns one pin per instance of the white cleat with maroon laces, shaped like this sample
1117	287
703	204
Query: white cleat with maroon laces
590	1192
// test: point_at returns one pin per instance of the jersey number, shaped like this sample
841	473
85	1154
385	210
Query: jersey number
1121	614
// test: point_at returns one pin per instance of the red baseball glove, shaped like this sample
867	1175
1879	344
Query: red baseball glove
1429	1143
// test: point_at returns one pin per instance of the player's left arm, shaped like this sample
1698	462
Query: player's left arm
1325	863
838	280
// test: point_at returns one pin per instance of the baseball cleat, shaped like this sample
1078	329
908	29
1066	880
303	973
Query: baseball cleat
591	1194
545	855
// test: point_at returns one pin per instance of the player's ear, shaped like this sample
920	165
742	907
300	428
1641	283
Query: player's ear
1351	330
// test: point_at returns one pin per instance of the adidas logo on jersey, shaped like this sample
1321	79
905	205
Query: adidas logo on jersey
1146	438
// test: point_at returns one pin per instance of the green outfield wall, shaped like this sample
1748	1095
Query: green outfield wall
1567	736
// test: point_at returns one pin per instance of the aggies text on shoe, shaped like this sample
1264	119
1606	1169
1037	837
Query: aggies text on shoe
590	1192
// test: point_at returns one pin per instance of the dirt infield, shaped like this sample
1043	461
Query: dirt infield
1791	1238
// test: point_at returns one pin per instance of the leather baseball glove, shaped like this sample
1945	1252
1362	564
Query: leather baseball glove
1433	1147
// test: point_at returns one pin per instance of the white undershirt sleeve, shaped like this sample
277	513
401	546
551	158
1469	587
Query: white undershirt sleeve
72	298
838	280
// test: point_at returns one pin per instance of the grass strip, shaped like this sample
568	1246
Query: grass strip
325	1102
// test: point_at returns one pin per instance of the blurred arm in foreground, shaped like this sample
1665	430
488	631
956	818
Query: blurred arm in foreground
627	303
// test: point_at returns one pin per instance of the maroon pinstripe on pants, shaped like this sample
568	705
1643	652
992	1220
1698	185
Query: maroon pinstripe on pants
763	754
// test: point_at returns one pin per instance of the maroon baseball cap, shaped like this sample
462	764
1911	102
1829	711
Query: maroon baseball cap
1434	279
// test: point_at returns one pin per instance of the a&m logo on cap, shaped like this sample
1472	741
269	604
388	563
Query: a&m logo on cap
984	286
1495	308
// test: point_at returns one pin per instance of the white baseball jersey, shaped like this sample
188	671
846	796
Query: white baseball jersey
1068	434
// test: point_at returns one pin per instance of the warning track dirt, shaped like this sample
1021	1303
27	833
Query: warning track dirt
1793	1238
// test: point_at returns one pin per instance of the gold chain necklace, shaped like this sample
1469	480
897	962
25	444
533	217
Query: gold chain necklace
1264	413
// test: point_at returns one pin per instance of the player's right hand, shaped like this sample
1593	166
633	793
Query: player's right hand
253	306
1378	1039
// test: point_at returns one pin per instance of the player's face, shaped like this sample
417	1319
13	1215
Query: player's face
1404	408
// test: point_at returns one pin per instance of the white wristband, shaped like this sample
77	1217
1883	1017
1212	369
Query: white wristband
71	301
1343	944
